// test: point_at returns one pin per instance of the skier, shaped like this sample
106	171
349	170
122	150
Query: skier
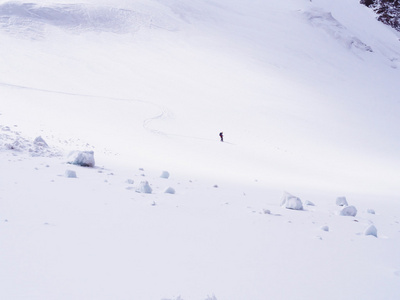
221	135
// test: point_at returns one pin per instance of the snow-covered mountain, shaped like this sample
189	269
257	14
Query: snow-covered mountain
306	95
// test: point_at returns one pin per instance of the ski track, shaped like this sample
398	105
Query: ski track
164	112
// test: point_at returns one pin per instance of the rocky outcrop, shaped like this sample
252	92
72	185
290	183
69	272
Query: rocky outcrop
388	11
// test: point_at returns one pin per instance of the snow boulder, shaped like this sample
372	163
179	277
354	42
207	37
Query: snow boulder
291	202
169	190
325	228
144	187
341	201
371	230
82	158
70	174
165	174
40	142
349	211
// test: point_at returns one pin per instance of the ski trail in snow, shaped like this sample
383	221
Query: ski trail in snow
73	94
164	112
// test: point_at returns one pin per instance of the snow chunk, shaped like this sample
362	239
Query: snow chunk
291	202
82	158
17	145
129	181
144	187
165	174
371	211
341	201
371	230
349	211
40	142
325	228
169	190
70	174
309	203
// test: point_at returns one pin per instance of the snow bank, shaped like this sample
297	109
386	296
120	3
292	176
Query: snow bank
144	187
82	158
291	202
341	201
349	211
371	230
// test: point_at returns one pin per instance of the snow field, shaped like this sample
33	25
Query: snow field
74	229
305	107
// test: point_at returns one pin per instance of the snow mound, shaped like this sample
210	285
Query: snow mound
70	174
371	211
291	202
371	230
82	158
165	174
324	20
349	211
32	19
341	201
14	141
144	187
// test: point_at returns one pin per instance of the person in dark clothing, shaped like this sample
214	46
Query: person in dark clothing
221	135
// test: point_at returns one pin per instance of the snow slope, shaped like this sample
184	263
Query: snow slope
306	95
